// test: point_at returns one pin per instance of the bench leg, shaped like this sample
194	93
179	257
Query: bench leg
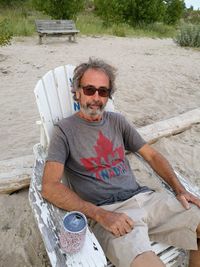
70	38
74	38
40	39
45	38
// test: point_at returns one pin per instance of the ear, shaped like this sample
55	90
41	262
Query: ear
77	95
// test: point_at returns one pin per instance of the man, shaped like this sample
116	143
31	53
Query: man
90	146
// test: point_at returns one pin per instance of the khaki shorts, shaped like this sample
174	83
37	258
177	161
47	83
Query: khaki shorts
158	217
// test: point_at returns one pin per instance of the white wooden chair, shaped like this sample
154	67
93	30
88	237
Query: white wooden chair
55	101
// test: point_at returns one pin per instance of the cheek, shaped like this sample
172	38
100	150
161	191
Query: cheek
104	100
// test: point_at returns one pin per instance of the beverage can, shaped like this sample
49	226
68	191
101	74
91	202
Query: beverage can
72	235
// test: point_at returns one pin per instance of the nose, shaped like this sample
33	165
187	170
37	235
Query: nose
96	96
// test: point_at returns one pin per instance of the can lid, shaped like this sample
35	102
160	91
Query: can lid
74	221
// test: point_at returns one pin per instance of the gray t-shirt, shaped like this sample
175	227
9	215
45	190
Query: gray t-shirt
94	156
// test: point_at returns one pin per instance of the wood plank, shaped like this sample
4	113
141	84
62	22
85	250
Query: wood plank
56	26
56	31
62	77
159	247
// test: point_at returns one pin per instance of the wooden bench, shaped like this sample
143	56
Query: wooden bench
55	28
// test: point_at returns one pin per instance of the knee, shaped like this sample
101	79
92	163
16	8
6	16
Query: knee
147	259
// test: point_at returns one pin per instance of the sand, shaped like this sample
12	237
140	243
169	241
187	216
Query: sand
156	80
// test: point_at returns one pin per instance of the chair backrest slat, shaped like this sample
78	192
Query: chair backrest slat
52	96
63	76
44	109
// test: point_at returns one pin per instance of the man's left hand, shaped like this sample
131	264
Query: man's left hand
185	198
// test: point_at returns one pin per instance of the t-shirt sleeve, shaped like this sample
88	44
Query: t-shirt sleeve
133	141
58	148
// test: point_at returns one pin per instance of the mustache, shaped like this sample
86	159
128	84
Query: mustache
94	102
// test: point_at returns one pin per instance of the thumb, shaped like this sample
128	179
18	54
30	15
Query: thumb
184	201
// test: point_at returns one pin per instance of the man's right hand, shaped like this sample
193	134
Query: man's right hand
60	195
118	224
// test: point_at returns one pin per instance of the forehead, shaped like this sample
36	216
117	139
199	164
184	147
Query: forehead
95	77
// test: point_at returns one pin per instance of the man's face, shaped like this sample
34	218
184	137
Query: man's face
93	105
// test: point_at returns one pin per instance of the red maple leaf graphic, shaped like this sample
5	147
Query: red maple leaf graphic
106	156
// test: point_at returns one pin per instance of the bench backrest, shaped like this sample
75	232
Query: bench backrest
42	25
54	98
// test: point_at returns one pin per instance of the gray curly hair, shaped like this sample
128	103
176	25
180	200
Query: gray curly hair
97	64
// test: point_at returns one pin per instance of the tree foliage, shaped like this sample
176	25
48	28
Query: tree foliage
111	11
139	11
174	11
10	2
60	9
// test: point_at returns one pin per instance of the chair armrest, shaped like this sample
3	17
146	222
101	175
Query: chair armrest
49	219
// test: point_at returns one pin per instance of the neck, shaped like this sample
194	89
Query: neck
88	117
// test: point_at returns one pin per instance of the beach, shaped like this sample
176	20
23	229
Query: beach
156	80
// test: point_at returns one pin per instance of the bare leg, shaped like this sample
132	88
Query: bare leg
195	254
147	259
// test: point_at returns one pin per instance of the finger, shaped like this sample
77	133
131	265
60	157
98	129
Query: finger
122	229
116	233
128	228
184	202
195	200
130	222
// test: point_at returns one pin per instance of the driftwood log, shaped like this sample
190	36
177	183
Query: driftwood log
15	174
153	132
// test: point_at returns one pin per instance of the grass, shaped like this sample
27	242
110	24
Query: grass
20	20
21	23
89	24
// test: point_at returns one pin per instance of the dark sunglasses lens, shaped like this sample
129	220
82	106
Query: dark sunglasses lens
89	90
104	92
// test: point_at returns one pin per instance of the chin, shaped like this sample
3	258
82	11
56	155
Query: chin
95	113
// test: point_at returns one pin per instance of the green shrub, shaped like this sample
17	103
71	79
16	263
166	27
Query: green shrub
188	35
60	9
11	3
135	12
145	11
174	11
130	11
5	34
111	11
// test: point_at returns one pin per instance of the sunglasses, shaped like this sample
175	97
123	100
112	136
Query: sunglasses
91	90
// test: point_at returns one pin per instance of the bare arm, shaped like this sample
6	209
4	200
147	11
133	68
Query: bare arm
63	197
164	170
